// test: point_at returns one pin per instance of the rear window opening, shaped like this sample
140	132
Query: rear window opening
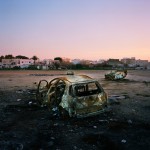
86	89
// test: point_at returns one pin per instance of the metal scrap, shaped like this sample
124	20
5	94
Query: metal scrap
116	75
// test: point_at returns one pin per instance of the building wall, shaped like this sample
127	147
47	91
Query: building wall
10	63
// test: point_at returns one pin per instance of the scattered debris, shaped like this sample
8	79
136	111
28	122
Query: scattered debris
18	100
70	73
115	99
52	138
19	91
45	74
103	121
123	141
95	127
10	145
30	103
75	147
130	121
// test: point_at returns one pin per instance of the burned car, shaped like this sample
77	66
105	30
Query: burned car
116	75
74	95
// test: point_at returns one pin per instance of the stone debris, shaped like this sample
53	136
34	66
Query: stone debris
19	91
123	141
18	100
115	99
30	103
130	121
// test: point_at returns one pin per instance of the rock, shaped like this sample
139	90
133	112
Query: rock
123	141
130	121
18	100
30	103
52	138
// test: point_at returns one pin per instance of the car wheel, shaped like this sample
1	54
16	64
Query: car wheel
63	113
39	98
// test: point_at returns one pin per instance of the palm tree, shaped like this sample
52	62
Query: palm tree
34	58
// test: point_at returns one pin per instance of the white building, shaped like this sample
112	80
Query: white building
131	62
48	61
22	63
0	65
100	61
142	63
148	66
76	61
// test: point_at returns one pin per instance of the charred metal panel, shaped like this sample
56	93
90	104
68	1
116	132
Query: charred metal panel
116	75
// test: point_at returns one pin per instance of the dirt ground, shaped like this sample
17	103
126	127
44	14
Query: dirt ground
24	125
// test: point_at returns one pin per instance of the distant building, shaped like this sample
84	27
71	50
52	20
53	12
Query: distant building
48	61
76	61
130	62
46	64
148	66
22	63
114	63
0	65
100	61
141	63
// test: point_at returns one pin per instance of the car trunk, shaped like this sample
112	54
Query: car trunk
89	105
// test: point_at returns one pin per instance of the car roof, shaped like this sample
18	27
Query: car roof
76	78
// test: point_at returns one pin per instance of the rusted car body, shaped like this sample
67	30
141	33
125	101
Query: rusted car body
116	75
74	95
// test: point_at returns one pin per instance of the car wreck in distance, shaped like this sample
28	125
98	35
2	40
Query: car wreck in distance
116	75
73	96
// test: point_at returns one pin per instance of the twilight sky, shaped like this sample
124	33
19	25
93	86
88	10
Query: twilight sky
85	29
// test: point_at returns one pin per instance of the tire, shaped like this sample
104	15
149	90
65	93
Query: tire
63	113
39	99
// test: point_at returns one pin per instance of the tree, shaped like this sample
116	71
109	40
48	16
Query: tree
79	66
21	57
58	58
57	62
57	65
10	56
34	58
2	57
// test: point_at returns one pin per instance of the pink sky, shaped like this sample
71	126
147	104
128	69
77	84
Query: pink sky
75	29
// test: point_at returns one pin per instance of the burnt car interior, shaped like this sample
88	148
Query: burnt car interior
55	89
87	89
60	88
